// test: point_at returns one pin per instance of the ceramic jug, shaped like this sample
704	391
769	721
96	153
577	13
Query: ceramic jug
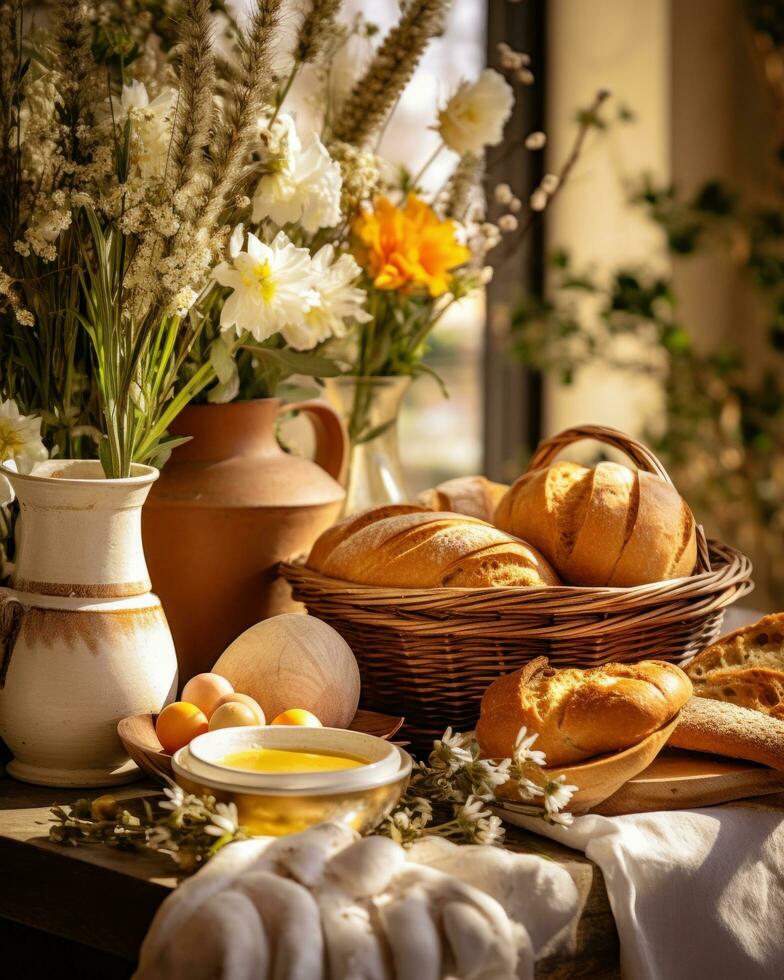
229	506
83	641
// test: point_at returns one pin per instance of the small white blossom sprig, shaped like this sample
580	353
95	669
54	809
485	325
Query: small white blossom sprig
451	794
186	828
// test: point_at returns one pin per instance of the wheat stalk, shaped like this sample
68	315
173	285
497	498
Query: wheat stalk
315	29
193	120
377	91
246	101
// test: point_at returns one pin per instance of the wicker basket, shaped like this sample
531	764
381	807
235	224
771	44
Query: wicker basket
429	654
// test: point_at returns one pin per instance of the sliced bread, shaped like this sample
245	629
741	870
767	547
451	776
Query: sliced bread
758	688
745	668
758	645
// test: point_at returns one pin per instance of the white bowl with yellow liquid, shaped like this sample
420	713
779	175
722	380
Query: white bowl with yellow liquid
286	778
291	757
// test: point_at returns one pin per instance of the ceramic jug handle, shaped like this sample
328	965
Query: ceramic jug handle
11	610
332	445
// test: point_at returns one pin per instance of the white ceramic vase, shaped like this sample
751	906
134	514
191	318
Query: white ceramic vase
83	641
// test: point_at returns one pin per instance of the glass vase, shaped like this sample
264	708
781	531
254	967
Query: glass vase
370	408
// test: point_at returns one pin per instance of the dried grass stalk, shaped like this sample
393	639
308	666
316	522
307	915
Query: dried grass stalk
462	185
374	95
316	28
72	36
247	100
194	117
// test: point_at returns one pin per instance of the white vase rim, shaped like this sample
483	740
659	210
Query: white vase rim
47	473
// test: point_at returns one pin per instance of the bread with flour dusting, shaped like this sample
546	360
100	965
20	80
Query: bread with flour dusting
403	546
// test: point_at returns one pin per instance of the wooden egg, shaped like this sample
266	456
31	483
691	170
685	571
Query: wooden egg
295	660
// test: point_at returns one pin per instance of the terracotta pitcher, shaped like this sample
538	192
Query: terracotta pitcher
230	504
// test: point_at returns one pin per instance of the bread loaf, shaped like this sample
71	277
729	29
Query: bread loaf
578	714
745	668
475	496
605	525
406	547
728	729
758	645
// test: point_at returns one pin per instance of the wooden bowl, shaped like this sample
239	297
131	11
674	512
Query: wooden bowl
599	778
137	734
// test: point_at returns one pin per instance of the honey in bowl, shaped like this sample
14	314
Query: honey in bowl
289	761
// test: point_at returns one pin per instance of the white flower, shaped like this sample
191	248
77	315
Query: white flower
523	751
338	301
450	753
272	287
20	441
176	797
507	222
476	114
486	777
557	793
528	790
535	141
478	823
150	126
303	187
563	819
225	820
549	183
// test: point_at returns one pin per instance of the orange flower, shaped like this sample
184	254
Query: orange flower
404	248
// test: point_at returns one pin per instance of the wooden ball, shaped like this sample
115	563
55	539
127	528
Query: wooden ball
295	659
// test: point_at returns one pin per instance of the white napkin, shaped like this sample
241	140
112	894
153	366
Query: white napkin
695	893
326	904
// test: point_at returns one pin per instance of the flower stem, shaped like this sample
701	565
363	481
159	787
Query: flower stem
426	165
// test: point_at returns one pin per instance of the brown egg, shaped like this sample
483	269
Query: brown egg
205	691
247	700
233	714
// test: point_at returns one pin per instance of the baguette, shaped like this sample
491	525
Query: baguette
402	546
578	714
605	525
727	729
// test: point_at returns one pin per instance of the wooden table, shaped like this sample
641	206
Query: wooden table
83	911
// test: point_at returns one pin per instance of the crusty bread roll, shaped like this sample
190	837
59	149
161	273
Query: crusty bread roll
578	714
604	525
728	729
406	547
475	496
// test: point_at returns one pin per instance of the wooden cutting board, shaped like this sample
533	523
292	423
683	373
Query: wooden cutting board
679	780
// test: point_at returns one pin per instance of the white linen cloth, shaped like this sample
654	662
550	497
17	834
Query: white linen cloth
694	893
326	904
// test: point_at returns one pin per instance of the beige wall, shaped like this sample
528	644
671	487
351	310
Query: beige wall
722	126
624	47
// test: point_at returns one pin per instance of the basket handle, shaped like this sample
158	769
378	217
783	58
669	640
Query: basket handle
642	457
